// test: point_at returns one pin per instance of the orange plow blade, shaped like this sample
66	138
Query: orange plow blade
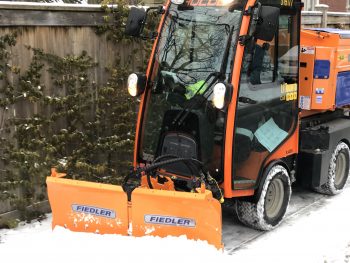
102	208
88	207
170	213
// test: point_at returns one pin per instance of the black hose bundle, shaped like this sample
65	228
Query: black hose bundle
194	165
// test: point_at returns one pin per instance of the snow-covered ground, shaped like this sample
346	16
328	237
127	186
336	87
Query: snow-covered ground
319	232
316	232
37	243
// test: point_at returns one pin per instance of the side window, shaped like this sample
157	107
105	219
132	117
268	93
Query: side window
259	66
288	50
259	63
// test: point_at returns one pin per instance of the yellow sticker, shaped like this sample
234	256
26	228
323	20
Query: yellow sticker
289	92
287	2
295	95
291	96
288	87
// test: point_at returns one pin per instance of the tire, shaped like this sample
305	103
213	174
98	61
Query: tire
338	171
268	212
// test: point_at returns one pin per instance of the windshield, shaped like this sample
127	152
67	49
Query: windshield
195	50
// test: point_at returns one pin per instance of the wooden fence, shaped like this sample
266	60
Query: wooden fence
71	29
61	30
326	19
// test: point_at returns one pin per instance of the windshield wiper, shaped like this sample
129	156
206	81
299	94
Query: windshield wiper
179	118
227	51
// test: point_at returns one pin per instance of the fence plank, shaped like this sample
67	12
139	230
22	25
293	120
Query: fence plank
51	18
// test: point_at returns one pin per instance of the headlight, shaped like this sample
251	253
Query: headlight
219	95
136	84
132	84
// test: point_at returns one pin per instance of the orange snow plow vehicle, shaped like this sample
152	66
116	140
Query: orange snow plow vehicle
237	104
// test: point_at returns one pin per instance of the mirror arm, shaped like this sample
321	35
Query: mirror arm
256	12
253	11
160	10
249	11
255	18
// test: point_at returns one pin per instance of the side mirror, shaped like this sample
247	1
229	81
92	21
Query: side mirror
135	22
267	24
222	93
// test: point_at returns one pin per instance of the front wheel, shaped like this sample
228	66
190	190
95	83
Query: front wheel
338	171
268	212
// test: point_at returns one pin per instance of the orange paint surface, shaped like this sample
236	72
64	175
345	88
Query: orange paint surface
102	208
201	209
321	46
72	202
228	193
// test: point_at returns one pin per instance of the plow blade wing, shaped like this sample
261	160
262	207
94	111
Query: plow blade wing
88	207
103	208
163	213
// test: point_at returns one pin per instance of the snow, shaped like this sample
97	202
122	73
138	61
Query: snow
319	232
37	243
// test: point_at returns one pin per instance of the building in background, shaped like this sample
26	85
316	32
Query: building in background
334	5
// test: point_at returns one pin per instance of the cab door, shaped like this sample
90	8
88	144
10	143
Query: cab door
266	113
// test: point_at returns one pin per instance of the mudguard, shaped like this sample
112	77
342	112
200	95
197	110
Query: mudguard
103	208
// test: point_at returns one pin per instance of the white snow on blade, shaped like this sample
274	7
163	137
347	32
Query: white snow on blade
82	217
149	230
319	233
130	229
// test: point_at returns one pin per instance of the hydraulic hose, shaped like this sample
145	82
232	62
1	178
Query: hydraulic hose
157	163
189	164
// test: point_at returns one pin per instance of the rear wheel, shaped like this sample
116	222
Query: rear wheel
269	210
338	171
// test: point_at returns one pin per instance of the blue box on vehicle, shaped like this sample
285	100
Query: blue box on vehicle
343	89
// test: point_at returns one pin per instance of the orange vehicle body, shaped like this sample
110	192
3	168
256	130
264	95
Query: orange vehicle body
102	208
129	216
322	46
231	118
